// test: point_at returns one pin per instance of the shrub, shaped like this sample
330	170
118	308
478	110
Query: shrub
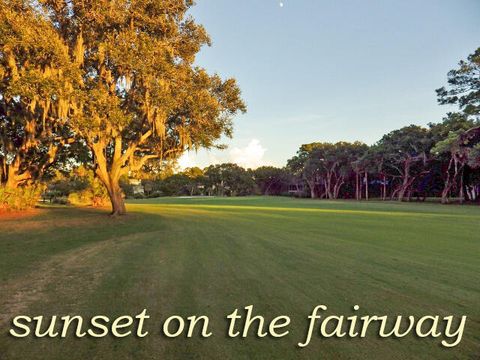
95	195
80	198
21	198
154	194
79	187
127	188
60	200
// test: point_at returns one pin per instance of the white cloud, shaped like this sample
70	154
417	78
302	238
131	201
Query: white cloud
213	160
250	156
186	161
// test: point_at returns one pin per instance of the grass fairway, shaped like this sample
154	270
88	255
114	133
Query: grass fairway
209	256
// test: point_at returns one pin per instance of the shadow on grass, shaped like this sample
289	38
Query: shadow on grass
50	230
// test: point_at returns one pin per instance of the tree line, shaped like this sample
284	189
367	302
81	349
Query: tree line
413	162
442	159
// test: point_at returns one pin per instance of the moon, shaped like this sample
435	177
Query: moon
281	4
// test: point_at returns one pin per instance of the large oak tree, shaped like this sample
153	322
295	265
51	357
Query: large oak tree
37	81
141	97
452	151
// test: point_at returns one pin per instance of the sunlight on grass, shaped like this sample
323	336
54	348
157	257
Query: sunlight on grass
190	207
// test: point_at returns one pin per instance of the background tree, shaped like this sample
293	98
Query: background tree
304	168
463	90
464	86
141	97
36	88
368	162
327	167
450	151
175	185
406	154
271	180
196	179
471	141
230	180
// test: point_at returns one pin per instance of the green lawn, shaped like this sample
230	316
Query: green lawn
209	256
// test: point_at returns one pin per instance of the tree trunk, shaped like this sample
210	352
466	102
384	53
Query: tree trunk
311	185
384	188
12	174
401	192
445	192
447	183
337	187
366	185
472	192
111	179
405	181
462	195
267	190
328	185
116	198
406	188
358	195
11	183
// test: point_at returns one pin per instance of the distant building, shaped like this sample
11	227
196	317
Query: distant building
137	187
296	189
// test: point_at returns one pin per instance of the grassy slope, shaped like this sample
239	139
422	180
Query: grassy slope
208	256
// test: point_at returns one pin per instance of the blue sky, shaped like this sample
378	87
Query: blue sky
324	70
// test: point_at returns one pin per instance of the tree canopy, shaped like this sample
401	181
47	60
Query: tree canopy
464	86
37	80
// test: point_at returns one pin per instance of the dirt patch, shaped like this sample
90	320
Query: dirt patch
58	218
16	215
64	275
